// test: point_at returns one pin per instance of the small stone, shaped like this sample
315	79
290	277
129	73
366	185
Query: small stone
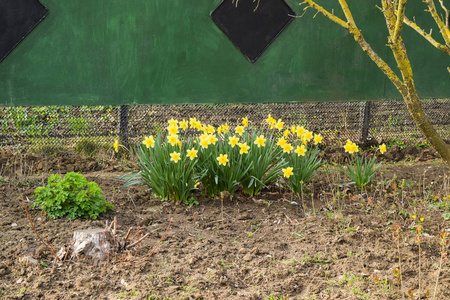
14	225
248	257
223	280
192	261
27	260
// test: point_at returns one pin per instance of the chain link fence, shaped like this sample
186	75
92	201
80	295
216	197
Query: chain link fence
67	126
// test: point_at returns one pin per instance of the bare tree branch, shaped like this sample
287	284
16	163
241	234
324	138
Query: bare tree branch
327	14
399	22
351	27
442	27
427	36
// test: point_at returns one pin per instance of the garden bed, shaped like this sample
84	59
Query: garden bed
338	245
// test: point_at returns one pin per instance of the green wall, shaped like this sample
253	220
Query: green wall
127	52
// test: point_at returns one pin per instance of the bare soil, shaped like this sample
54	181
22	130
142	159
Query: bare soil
338	245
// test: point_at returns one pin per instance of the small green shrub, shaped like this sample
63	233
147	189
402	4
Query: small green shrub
72	195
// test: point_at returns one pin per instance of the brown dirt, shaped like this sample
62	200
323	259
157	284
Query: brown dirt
248	249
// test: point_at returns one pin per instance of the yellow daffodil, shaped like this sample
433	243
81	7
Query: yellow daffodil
175	156
240	130
287	172
173	122
382	148
192	153
308	135
293	129
210	129
287	148
245	122
279	125
116	145
192	122
184	124
270	120
204	143
219	129
300	150
244	148
172	129
198	125
225	128
149	142
233	141
286	133
281	142
260	141
212	139
317	139
300	131
173	139
351	147
223	159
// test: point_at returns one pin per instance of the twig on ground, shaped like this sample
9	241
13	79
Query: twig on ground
34	229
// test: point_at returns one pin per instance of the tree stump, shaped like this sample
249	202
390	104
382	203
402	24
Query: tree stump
92	242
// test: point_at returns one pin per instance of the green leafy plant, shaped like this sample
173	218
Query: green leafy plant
72	196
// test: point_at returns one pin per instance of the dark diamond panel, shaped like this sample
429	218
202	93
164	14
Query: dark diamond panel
252	30
17	19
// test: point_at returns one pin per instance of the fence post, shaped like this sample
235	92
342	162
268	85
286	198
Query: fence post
364	120
123	124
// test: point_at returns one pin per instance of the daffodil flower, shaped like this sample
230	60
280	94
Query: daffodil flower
233	141
281	142
192	153
288	172
279	125
308	135
173	139
244	148
245	122
173	122
184	124
175	156
172	129
300	150
317	139
287	148
149	142
222	159
204	143
260	141
116	145
240	130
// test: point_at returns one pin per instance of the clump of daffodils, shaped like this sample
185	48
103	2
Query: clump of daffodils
223	158
359	168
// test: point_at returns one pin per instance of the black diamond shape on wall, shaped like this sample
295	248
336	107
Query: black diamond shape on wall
17	19
252	26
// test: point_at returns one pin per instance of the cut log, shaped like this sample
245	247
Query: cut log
92	242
